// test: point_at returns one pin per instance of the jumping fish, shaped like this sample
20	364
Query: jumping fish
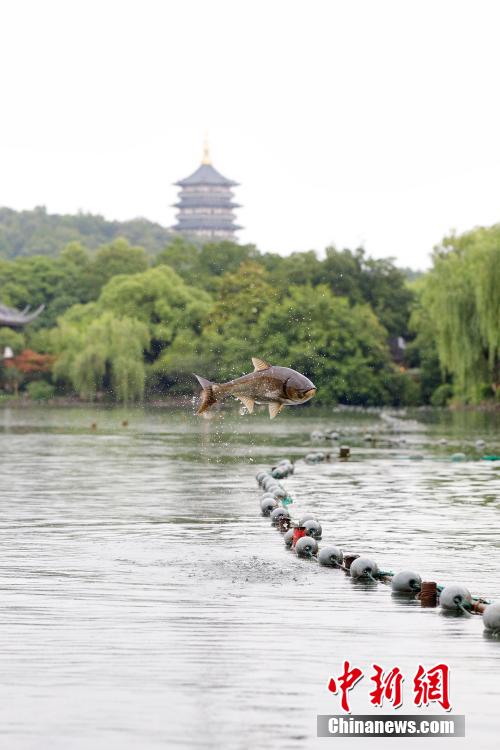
275	386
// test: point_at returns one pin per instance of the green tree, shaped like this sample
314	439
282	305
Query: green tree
56	283
160	299
297	268
341	270
421	352
117	258
12	379
74	277
375	281
387	291
16	340
203	264
342	347
90	339
105	354
229	336
462	294
183	257
26	233
219	258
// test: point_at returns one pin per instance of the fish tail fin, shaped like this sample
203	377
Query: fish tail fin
207	397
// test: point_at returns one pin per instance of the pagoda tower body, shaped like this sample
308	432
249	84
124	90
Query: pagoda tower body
206	204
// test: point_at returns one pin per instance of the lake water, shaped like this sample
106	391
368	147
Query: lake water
145	603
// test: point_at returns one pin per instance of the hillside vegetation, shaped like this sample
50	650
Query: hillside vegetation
25	233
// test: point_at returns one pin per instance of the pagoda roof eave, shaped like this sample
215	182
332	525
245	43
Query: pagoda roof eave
227	206
206	174
207	228
184	183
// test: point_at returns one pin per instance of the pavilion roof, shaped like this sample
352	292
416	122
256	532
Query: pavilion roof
9	316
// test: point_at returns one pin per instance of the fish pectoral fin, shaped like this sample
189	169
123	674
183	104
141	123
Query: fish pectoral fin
274	409
247	402
260	364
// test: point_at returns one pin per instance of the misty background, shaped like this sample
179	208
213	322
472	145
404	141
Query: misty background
357	123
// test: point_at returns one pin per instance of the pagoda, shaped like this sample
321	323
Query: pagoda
206	204
12	318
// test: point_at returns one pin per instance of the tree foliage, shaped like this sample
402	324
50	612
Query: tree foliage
105	345
340	345
105	353
462	294
16	340
348	274
36	232
160	299
74	277
209	308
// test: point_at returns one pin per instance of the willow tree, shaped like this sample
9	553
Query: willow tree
106	352
463	298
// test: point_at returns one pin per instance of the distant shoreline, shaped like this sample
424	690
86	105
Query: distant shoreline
178	402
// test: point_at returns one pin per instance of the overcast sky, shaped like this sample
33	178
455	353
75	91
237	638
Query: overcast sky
373	123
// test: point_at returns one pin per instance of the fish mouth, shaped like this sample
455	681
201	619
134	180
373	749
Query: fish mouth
309	394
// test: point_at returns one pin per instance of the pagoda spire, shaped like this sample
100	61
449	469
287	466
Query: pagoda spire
206	151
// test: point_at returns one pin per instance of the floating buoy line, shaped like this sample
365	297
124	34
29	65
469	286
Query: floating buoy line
302	536
333	436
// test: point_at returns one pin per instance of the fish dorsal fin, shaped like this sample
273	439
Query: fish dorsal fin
247	402
274	409
260	364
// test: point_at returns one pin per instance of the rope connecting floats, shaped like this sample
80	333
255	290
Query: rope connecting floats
303	535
